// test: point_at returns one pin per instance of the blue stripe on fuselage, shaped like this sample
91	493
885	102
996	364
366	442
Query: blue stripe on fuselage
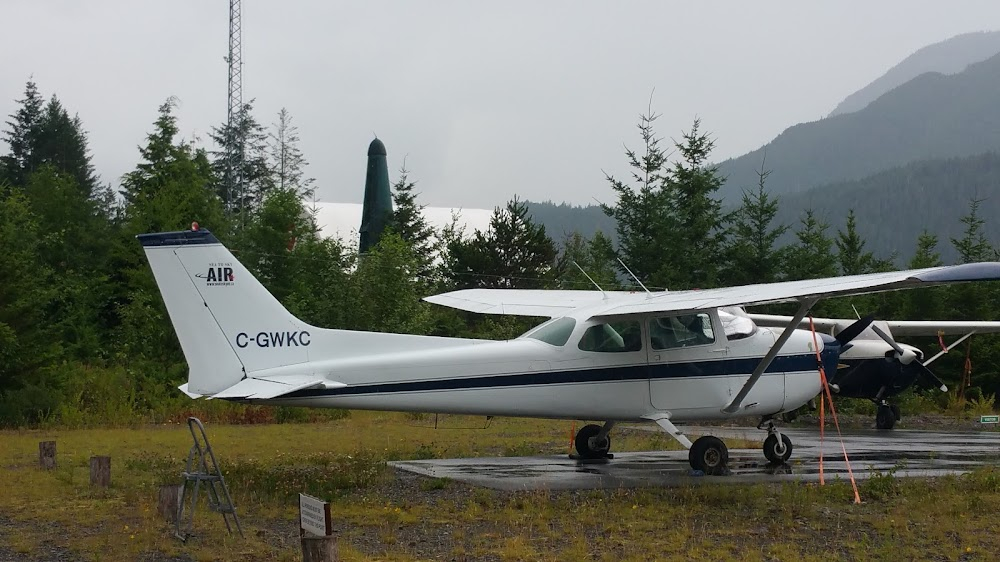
723	367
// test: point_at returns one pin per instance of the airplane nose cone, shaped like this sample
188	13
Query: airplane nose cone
830	356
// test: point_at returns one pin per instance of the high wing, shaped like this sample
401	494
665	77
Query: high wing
606	304
897	327
522	302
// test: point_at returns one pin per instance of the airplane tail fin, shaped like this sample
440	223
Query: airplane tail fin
228	324
237	337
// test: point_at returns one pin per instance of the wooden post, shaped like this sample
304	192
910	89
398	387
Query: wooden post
100	471
47	454
169	503
319	549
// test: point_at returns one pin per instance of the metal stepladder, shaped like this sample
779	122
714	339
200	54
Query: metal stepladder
202	467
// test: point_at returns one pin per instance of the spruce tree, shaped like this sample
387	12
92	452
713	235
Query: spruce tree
973	246
694	245
641	210
22	135
751	256
409	223
851	254
249	182
514	252
286	160
596	256
812	256
61	143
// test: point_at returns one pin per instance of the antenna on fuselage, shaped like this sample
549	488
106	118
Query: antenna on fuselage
633	276
590	279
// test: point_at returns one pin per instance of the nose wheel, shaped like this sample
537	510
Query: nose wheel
777	445
886	416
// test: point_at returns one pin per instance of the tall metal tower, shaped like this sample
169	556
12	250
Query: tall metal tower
234	150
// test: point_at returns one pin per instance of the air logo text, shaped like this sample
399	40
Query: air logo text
217	276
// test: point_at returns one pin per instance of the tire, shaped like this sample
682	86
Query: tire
772	452
884	417
583	443
709	455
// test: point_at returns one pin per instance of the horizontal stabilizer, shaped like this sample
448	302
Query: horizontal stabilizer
184	388
273	387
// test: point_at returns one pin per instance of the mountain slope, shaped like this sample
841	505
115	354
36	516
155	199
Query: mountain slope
947	57
893	207
931	116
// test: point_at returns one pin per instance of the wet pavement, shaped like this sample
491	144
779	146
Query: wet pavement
905	452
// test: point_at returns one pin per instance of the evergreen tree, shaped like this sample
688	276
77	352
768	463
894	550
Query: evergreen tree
321	294
76	242
514	253
61	143
926	254
751	253
252	180
269	241
641	211
286	159
696	242
973	246
385	293
924	304
811	257
169	189
172	186
42	134
22	136
973	300
851	254
409	223
27	341
596	256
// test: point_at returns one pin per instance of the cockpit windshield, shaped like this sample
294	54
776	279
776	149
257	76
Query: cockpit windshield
554	332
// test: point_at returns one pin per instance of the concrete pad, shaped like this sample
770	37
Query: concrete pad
907	452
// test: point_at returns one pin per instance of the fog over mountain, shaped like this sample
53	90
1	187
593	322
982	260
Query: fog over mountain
947	57
932	116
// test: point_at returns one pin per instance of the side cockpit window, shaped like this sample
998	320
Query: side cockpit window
555	332
683	330
612	337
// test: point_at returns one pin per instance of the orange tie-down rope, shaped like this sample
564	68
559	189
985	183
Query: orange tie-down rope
825	388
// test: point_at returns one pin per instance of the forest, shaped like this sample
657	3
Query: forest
84	336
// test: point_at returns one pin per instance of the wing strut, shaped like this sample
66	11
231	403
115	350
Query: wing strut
771	354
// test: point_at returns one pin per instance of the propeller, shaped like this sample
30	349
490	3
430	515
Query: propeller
854	330
908	357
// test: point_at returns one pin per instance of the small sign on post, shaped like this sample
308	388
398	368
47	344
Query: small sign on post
316	530
314	516
989	419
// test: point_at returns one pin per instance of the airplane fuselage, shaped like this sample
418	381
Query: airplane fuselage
531	378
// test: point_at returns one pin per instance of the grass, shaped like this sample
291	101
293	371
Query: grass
380	516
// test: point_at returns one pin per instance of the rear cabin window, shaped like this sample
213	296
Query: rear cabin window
555	332
668	332
612	337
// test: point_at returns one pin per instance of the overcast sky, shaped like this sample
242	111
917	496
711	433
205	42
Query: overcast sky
484	101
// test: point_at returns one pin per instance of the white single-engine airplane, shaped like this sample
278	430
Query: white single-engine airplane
876	367
611	356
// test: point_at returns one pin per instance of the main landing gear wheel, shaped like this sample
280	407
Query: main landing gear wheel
709	455
587	445
777	452
885	417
